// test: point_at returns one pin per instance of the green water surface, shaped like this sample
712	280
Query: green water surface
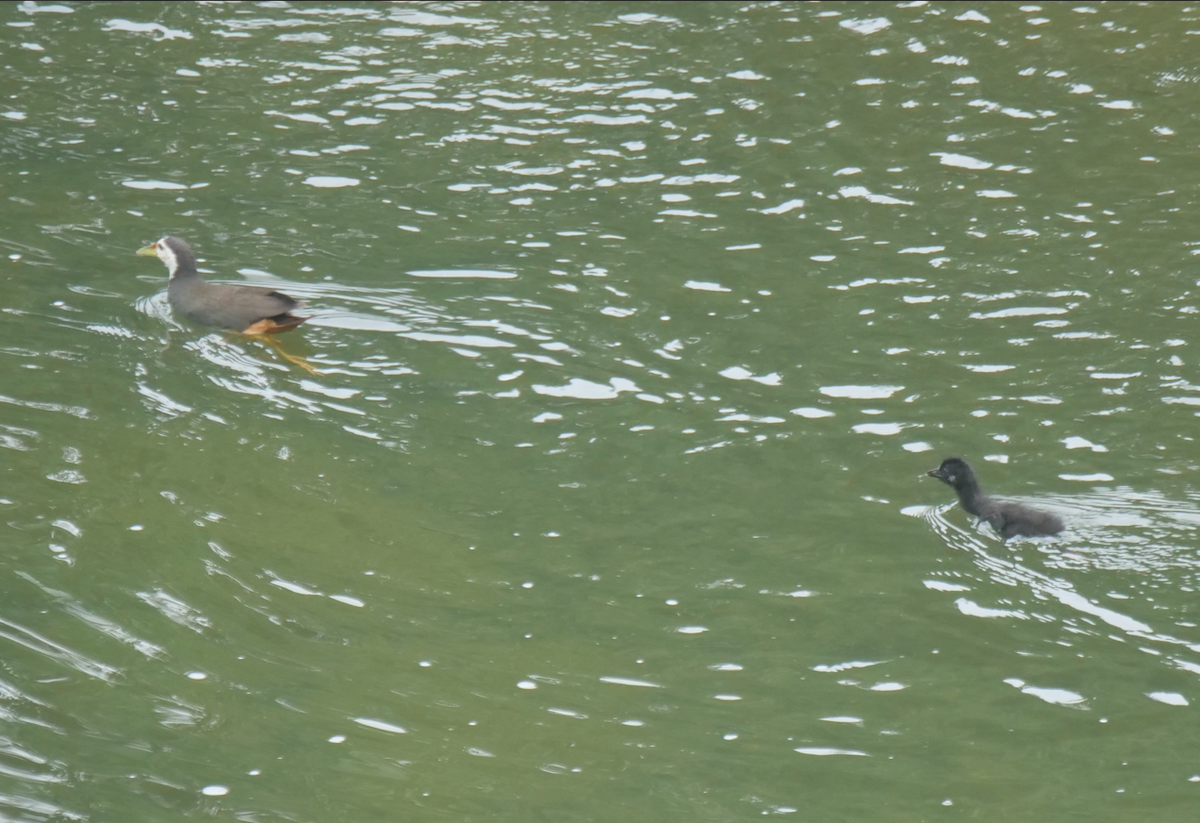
634	327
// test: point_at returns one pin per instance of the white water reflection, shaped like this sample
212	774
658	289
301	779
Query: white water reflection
861	392
821	751
1169	698
160	31
328	182
465	273
1059	697
628	681
581	389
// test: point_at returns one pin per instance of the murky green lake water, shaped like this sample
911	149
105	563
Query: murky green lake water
634	327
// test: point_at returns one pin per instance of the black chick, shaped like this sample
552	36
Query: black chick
1008	519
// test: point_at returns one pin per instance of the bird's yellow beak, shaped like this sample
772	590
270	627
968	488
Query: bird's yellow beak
148	251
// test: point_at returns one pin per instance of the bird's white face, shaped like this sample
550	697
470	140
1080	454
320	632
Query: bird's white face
167	255
163	251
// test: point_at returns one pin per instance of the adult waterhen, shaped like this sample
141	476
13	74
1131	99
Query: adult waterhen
244	309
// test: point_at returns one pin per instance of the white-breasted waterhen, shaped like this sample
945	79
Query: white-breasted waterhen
245	309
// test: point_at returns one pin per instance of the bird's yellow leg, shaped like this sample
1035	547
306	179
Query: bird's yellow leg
291	358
